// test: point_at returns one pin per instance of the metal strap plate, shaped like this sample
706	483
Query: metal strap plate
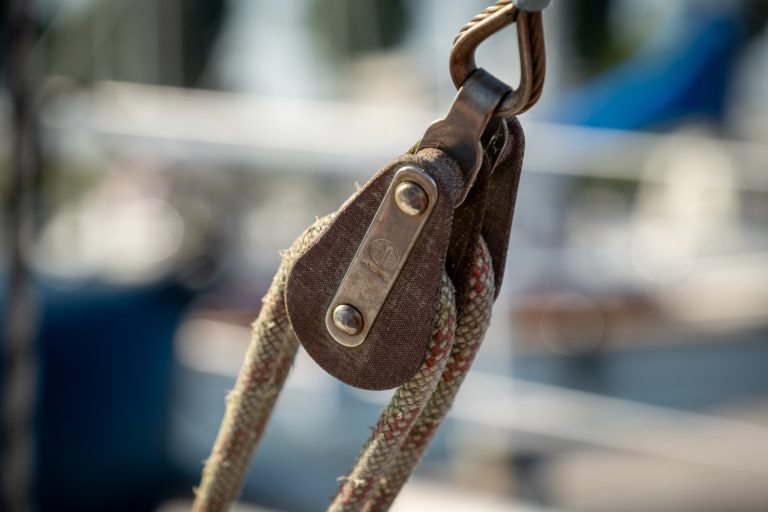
384	250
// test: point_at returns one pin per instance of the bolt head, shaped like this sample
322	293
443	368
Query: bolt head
411	198
347	319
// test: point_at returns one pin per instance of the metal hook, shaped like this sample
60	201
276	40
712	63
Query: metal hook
482	96
530	39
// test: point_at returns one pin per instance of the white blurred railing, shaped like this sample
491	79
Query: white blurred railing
340	138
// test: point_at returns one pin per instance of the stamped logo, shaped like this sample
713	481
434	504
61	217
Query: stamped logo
384	254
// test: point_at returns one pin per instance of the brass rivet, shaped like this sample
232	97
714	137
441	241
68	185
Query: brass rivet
411	198
347	319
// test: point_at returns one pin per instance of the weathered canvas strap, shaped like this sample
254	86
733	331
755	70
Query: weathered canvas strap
398	338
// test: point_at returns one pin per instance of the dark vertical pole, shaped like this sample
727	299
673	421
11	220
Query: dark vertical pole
171	54
19	356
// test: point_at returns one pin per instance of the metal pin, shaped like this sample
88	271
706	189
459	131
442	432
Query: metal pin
411	198
347	319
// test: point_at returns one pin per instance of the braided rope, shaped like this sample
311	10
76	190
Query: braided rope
404	409
470	330
405	426
269	358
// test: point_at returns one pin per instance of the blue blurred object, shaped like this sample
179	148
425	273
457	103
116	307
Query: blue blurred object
686	75
106	356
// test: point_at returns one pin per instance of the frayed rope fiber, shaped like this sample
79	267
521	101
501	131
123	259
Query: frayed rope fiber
405	426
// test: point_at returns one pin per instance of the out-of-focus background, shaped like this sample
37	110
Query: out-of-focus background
157	154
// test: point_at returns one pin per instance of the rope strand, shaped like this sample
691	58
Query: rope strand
267	363
403	411
470	330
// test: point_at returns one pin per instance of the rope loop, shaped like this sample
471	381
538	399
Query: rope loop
405	426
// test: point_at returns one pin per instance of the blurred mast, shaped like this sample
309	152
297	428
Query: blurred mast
19	357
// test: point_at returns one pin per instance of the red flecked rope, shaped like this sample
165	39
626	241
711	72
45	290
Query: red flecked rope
406	425
470	330
403	411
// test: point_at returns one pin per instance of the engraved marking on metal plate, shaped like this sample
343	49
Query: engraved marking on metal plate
381	256
384	254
